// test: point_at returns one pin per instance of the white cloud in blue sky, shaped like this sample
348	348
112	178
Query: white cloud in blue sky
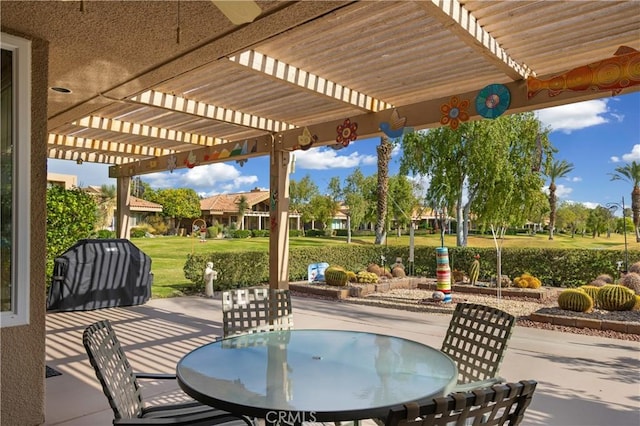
205	180
634	155
323	158
571	117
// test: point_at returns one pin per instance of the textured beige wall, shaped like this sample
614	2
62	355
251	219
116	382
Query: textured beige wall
22	348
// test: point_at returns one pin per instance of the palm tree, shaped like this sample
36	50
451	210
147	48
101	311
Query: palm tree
555	170
631	173
384	156
106	201
243	205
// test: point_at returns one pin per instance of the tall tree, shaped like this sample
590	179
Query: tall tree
106	202
355	201
324	209
384	157
300	194
402	201
555	170
177	203
470	160
243	205
631	173
598	220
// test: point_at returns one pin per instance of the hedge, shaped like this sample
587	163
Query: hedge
554	267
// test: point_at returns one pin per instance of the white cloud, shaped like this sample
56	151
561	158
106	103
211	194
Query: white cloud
570	117
634	155
328	158
397	148
615	159
205	180
590	205
575	179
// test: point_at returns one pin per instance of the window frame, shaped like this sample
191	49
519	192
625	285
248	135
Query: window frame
21	181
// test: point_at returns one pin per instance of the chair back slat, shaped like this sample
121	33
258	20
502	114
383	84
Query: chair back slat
113	370
477	339
501	404
256	310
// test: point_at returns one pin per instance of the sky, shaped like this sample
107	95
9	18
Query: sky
596	136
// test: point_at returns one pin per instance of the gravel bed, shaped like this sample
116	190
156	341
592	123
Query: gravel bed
420	301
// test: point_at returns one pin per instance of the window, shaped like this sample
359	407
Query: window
15	174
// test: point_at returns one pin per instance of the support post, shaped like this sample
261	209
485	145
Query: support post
123	190
279	219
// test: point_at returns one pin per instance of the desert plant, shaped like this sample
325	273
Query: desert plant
505	281
598	283
631	280
457	276
592	291
474	272
635	267
613	297
398	272
636	306
606	278
527	281
376	269
575	299
351	277
367	277
336	275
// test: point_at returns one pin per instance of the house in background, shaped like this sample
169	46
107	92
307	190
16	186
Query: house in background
65	181
223	209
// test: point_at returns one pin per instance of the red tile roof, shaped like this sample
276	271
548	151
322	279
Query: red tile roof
228	202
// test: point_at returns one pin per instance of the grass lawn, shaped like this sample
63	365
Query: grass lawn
169	254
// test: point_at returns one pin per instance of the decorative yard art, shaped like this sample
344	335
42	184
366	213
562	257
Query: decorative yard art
616	73
191	160
454	112
443	273
493	100
172	163
238	149
306	140
395	127
346	132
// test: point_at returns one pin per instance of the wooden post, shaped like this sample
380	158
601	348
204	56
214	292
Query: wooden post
123	190
279	220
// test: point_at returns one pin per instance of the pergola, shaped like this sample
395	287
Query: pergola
161	85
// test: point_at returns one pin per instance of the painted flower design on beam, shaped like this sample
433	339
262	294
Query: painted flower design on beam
454	112
347	132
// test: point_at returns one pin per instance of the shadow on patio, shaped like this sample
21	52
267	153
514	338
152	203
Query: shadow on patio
583	380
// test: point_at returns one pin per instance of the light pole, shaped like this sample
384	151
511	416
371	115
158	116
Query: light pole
613	207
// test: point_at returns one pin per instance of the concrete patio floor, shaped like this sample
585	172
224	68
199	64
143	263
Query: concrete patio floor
583	380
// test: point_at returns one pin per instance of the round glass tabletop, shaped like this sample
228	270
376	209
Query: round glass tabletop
315	375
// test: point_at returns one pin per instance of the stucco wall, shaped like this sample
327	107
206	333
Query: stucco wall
23	348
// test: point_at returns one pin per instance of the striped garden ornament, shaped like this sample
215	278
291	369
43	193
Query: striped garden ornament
443	273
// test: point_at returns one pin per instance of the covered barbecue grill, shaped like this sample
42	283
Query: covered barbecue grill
96	274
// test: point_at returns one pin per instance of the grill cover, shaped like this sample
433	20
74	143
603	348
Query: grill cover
96	274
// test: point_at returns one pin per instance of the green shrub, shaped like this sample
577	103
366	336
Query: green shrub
157	223
296	233
239	233
235	269
259	232
575	299
342	232
105	234
137	232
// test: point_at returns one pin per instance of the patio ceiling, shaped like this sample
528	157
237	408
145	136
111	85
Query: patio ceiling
161	84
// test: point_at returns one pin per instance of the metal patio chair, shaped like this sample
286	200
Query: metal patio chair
120	385
500	404
255	310
476	340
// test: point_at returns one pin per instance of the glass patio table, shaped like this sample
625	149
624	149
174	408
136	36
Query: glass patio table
314	375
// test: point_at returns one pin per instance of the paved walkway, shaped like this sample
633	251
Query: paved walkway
583	380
